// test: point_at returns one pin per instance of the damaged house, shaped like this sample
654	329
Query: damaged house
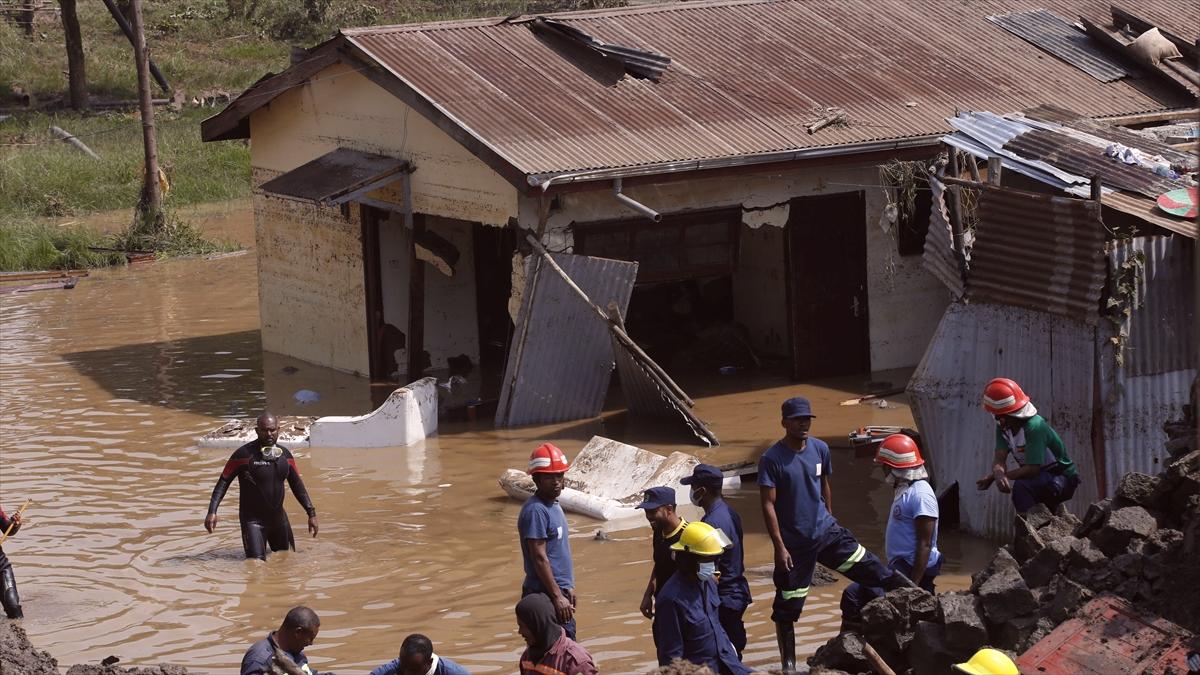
694	168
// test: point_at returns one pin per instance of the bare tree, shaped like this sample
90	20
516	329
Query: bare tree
151	202
77	91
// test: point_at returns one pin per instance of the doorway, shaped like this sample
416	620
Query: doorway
827	285
386	264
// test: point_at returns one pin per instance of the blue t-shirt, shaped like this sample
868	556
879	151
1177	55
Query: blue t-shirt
444	666
541	520
918	500
796	477
732	587
261	656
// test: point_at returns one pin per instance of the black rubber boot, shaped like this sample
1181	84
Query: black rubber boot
8	594
785	634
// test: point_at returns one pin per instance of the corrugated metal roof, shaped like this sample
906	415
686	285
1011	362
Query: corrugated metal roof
1058	37
1159	359
1040	252
1051	357
561	358
1083	159
745	76
1147	144
939	257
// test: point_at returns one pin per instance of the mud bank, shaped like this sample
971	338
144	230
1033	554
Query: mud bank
18	656
1143	546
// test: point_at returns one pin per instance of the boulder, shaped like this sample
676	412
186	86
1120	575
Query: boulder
1001	561
1068	598
1096	516
883	625
1138	488
962	614
1014	632
1005	595
1038	516
1048	562
1041	629
18	655
914	604
1128	564
1060	526
1026	542
932	653
1123	526
1084	559
1165	541
844	652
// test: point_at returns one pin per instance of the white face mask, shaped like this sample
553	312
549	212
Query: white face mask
692	497
708	570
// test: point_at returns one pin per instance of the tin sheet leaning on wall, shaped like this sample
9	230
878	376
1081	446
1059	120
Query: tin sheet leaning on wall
1050	356
561	358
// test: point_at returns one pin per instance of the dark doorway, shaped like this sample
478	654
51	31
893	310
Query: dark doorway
373	283
494	248
386	266
827	285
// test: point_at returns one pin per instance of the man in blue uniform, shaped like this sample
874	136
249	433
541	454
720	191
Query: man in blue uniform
542	526
686	623
793	480
299	630
666	526
706	481
417	658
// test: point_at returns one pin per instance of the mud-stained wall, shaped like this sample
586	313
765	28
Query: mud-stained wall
905	302
760	289
340	108
310	281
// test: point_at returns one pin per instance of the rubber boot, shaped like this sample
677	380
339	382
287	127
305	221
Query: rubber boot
785	634
8	594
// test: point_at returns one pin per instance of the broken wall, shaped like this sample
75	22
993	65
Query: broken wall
905	301
760	288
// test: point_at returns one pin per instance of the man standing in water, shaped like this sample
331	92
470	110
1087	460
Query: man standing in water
665	527
542	526
8	582
261	468
793	480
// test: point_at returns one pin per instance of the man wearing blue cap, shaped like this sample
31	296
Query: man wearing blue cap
666	525
793	480
732	588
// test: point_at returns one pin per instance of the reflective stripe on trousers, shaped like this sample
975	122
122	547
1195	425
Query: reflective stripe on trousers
854	558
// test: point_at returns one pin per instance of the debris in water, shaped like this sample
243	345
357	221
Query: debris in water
306	396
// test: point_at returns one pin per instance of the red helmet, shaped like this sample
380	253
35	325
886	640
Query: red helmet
1002	396
548	459
899	452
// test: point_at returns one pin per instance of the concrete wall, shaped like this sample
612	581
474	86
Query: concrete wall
905	302
760	288
451	322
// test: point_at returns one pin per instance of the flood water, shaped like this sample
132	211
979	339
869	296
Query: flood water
104	389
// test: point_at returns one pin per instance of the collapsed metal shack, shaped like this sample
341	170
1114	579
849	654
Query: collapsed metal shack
1090	308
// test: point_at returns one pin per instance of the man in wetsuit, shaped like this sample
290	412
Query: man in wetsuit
8	583
261	468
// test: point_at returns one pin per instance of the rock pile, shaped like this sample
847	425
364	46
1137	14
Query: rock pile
1143	545
19	657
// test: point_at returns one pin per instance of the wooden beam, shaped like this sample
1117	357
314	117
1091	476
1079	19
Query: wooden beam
1152	118
416	302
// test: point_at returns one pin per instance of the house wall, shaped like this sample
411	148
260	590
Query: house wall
905	302
451	322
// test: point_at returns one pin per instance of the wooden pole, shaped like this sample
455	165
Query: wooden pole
12	525
66	136
881	667
995	168
76	71
416	302
151	202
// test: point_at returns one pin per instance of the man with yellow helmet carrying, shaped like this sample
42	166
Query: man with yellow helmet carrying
687	623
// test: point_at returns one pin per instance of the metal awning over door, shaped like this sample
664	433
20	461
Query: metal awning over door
337	177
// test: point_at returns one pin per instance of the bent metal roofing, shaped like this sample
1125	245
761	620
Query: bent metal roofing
745	77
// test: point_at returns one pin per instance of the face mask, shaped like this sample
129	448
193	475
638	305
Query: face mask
708	570
693	497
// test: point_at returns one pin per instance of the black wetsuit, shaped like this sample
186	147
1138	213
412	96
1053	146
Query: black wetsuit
8	582
260	480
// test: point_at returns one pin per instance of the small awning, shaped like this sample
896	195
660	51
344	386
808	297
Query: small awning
337	177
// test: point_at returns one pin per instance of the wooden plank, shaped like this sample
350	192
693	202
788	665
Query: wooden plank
40	275
416	303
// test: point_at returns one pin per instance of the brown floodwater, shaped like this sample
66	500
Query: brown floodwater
104	389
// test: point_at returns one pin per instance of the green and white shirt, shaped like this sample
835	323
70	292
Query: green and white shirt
1036	443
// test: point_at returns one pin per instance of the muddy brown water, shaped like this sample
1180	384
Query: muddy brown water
104	389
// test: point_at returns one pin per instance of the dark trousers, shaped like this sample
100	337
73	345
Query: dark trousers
731	621
569	626
1045	488
260	533
836	549
8	589
856	595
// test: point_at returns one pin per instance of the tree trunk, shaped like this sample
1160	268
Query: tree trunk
77	92
151	202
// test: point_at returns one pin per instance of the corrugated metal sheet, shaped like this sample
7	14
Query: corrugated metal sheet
561	358
333	175
1159	362
1147	210
1051	357
1083	159
744	78
1058	37
939	257
1133	139
645	396
1039	252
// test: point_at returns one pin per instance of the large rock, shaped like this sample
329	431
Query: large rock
18	655
1138	488
883	625
962	614
1128	564
844	652
1059	527
1068	598
1084	560
1005	595
117	670
1096	516
914	604
1014	632
1038	516
1001	561
1165	541
1043	628
1123	526
1026	542
1048	563
931	652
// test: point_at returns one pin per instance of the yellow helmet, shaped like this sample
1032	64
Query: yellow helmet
988	662
700	538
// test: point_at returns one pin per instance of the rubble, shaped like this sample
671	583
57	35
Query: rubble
18	655
1142	545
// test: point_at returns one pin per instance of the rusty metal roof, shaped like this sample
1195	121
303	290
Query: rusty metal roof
1040	252
744	78
335	177
1057	36
1085	159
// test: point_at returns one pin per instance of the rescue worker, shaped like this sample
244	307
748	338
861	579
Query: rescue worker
732	588
548	649
8	582
542	527
298	630
912	526
261	467
687	624
1044	473
793	479
665	525
417	658
988	661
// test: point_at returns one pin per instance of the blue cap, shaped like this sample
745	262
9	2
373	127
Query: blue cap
797	406
705	475
656	497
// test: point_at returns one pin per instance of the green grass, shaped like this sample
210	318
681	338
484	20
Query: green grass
44	246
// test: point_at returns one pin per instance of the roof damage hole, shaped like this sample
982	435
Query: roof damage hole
605	62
